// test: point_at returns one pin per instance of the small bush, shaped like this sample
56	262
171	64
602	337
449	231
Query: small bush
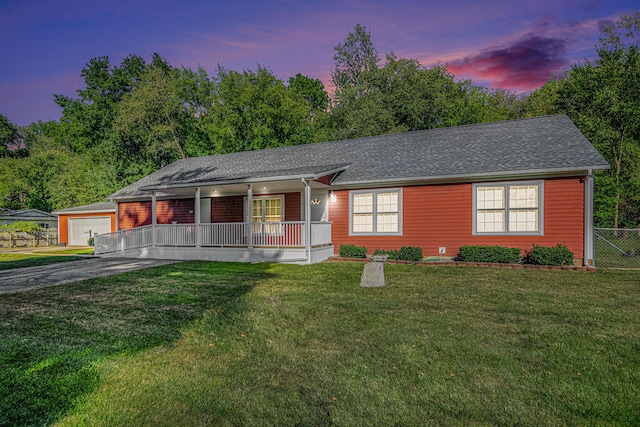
410	253
353	251
545	255
393	253
90	242
498	254
24	226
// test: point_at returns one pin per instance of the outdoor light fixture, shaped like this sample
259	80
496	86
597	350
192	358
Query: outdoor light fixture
332	196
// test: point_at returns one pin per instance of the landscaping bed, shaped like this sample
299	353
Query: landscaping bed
470	264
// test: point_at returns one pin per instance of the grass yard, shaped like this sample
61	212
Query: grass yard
264	344
17	260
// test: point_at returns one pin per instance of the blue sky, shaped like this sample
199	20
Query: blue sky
511	44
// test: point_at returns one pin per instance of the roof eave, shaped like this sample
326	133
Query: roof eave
311	176
66	212
523	174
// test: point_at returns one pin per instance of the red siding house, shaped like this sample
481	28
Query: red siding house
511	183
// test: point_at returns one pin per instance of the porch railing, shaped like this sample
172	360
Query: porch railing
235	234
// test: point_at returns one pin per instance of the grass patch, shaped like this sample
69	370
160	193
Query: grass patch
9	261
72	251
237	344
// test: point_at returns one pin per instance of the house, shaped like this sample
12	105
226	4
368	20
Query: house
509	183
78	224
43	219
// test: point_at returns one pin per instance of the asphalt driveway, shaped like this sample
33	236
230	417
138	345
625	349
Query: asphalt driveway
24	279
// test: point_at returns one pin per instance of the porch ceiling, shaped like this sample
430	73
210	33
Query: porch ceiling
222	190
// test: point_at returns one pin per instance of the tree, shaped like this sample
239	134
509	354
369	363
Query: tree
353	58
543	101
149	123
11	140
88	118
404	95
312	91
254	110
601	97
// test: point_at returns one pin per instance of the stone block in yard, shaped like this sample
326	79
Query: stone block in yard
372	275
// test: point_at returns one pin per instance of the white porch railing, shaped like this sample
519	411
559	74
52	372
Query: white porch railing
176	235
234	234
224	234
114	241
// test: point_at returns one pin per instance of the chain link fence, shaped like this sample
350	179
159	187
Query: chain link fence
617	247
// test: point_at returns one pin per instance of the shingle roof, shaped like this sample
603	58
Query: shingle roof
94	207
538	145
27	215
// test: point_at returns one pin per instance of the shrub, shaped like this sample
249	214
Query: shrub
353	251
393	253
545	255
24	226
498	254
90	241
410	253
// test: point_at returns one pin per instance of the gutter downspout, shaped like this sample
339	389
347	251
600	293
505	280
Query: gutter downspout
249	230
589	253
307	218
196	208
154	220
117	216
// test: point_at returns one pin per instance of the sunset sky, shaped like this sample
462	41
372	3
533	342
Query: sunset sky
509	44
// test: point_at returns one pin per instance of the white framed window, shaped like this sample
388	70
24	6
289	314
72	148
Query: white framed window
266	209
375	212
514	208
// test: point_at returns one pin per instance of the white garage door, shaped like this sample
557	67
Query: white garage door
80	229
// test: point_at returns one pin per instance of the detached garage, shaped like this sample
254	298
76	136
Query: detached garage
78	224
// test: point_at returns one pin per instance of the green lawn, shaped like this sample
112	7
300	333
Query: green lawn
263	344
17	260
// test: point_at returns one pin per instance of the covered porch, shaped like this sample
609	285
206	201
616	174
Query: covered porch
279	219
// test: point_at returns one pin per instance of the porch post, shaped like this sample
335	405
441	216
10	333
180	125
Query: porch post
250	216
588	222
197	216
307	219
153	218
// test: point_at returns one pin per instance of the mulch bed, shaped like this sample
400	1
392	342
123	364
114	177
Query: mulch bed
469	264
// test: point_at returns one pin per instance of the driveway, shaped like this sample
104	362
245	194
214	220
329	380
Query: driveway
24	279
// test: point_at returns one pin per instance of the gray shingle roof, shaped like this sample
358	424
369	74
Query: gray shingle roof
94	207
27	215
538	145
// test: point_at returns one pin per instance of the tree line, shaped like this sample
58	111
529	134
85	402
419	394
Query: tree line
135	117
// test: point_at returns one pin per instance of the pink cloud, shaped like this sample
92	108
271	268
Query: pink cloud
529	59
524	65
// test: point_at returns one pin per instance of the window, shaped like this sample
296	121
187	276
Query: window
508	208
267	209
375	212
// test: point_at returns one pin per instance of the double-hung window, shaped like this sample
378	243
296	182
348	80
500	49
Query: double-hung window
508	208
375	212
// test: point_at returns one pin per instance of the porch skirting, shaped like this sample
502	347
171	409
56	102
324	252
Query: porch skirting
281	255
